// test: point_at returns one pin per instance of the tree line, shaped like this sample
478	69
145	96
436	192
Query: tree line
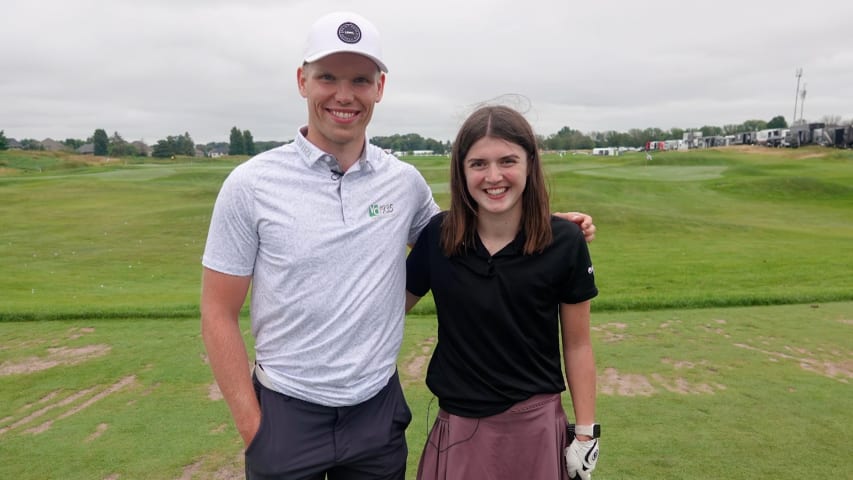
570	139
241	142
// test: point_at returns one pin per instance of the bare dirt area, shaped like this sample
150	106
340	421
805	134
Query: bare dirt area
414	369
68	403
613	382
223	469
38	416
836	367
611	332
55	356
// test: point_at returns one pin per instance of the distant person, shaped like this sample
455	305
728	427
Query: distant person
508	279
318	228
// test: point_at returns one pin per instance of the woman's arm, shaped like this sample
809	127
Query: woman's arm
411	300
579	360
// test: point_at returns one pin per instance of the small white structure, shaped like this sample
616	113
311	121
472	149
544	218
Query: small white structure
606	151
772	137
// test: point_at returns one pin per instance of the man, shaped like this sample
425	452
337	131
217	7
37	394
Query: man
319	229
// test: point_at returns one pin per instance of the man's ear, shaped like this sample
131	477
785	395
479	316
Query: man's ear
300	81
381	87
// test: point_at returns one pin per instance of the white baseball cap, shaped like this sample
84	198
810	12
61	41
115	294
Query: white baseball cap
344	32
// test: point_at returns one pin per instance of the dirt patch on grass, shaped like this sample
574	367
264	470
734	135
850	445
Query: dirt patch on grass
79	332
124	382
213	392
102	427
55	357
414	367
223	468
72	404
836	368
190	470
611	332
612	382
46	409
682	386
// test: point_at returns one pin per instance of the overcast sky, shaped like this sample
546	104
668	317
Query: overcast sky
152	68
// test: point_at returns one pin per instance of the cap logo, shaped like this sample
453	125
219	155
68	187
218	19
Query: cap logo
349	32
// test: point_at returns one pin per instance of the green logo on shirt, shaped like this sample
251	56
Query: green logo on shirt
375	209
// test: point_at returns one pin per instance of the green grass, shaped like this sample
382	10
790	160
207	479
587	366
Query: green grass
155	423
682	393
721	331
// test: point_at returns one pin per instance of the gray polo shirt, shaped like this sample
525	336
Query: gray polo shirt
327	256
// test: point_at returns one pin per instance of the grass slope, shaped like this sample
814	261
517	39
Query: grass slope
116	384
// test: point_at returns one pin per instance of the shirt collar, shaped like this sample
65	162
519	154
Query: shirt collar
479	261
515	247
317	158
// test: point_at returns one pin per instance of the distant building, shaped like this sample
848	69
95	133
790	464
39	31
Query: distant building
142	148
86	149
606	151
218	151
743	138
692	139
772	137
52	145
840	136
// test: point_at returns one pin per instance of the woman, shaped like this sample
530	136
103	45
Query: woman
507	278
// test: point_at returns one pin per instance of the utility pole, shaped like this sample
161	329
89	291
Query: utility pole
802	102
798	74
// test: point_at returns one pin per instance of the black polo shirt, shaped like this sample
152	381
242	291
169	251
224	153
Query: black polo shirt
498	317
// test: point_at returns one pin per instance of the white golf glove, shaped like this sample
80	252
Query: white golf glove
581	457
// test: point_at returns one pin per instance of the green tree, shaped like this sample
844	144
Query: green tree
731	129
777	122
711	131
162	149
4	144
73	143
410	142
237	145
31	144
569	139
174	145
754	125
183	145
120	148
674	134
263	146
248	143
101	142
